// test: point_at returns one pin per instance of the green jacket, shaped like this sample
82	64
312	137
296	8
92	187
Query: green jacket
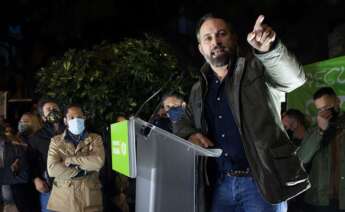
319	155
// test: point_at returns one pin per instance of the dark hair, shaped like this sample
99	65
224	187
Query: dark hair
324	91
165	96
297	115
207	17
70	106
41	104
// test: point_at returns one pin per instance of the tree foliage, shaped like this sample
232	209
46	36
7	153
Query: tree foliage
111	79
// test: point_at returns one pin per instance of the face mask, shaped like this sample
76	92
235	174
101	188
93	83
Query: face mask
175	113
24	129
54	116
76	126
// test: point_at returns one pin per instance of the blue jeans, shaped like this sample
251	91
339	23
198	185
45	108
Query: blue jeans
6	194
44	197
241	194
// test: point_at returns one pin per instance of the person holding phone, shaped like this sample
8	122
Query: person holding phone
323	149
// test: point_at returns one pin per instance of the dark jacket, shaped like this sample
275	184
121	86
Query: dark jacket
24	194
39	143
255	91
11	153
162	122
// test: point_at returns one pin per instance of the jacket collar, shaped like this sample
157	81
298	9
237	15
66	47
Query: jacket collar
74	139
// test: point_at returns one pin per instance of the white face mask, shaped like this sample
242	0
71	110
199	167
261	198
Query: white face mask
76	126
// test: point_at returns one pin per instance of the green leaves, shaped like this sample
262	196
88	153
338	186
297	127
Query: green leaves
110	79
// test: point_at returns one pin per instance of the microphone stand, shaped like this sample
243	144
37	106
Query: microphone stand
173	76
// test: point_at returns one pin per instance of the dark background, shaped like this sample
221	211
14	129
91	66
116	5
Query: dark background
32	31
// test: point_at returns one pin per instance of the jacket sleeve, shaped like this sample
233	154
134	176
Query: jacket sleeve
309	146
282	70
34	159
55	163
94	160
185	126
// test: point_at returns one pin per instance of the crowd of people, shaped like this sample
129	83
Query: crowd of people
269	161
52	163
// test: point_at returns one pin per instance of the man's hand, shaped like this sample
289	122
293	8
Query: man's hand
199	139
41	185
67	163
262	36
323	118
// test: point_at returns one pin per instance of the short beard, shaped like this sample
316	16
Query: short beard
221	60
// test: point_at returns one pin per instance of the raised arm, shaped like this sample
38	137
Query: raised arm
283	72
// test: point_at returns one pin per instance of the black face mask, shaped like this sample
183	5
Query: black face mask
24	129
54	116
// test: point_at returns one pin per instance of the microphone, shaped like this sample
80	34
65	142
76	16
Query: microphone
172	77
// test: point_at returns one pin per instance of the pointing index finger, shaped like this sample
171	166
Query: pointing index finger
258	23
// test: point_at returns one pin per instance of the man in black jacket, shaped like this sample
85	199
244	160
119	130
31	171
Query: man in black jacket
15	179
235	106
39	142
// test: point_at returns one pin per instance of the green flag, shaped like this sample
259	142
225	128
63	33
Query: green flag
329	73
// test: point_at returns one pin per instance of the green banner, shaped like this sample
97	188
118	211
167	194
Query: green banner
325	73
120	148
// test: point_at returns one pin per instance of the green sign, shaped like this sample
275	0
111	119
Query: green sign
325	73
120	148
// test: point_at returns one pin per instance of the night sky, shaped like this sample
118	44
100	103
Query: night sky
33	31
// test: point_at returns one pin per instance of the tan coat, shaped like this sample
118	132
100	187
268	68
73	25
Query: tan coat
71	193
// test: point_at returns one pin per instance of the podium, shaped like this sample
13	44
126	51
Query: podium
164	165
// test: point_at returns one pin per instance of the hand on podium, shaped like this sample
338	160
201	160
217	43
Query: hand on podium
201	140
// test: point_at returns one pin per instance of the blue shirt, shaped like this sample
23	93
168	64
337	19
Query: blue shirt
222	127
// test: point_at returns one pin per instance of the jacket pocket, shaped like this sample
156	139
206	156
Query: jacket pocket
62	197
93	194
287	165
